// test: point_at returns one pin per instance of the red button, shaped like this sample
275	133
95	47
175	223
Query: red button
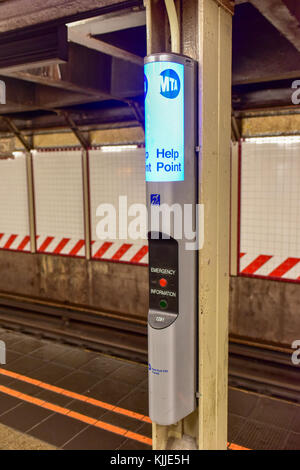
163	282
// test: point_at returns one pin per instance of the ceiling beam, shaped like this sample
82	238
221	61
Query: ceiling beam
17	133
88	73
261	75
93	118
49	98
29	48
138	112
23	96
281	17
20	96
264	98
25	13
104	47
83	140
103	24
235	128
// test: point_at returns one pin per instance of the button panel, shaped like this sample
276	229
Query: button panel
158	320
163	281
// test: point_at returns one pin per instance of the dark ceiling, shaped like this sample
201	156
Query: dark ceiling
131	40
262	58
98	89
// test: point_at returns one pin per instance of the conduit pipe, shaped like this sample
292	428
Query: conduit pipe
174	25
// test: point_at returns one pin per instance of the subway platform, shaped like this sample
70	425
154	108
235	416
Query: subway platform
56	396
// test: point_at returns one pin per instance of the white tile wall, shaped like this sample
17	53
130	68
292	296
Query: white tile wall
270	202
114	174
59	197
14	219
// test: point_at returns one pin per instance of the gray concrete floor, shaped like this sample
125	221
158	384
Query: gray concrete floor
255	421
10	439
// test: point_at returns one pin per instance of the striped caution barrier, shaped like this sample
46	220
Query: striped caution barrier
101	250
269	266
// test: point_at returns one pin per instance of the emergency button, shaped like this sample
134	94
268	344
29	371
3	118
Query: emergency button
163	282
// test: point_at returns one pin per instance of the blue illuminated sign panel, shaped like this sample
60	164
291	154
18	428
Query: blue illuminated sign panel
164	121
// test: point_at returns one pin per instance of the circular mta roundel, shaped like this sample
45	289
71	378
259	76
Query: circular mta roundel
169	84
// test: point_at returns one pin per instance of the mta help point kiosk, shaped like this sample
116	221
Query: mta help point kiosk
171	175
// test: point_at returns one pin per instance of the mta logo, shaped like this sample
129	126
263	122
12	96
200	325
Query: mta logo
155	199
169	84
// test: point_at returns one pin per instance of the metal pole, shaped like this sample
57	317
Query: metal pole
86	203
31	202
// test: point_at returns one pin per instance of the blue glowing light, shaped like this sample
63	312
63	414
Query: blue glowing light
164	121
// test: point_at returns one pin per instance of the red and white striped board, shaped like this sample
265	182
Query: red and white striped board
277	267
120	252
61	246
101	250
14	242
59	203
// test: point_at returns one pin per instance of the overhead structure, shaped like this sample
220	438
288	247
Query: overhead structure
281	15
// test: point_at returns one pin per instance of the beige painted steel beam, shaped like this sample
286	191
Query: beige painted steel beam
120	20
215	40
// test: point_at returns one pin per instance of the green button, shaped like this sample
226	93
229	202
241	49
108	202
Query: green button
163	304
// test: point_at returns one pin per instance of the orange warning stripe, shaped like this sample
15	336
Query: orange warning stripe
236	447
76	396
78	416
